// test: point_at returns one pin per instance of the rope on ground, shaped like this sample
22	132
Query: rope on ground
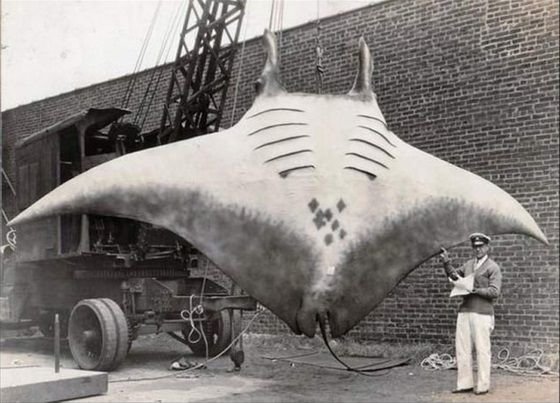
197	366
437	361
529	364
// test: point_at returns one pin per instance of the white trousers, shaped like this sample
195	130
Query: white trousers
473	328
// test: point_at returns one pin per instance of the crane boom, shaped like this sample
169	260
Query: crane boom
202	69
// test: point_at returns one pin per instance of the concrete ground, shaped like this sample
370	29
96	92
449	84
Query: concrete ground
145	377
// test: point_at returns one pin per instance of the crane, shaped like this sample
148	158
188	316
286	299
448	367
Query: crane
201	74
199	80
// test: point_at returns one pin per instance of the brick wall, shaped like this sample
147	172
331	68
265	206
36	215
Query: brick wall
473	82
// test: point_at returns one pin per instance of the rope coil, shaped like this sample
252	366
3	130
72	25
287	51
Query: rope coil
436	362
195	334
11	238
529	364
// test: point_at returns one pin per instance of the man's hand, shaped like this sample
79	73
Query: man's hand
444	256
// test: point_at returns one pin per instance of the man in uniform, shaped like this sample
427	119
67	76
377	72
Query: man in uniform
475	320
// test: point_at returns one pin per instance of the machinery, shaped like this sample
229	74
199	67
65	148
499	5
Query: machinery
110	279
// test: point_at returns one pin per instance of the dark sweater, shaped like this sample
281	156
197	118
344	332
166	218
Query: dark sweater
487	285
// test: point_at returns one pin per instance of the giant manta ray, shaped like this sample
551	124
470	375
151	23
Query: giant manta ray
309	203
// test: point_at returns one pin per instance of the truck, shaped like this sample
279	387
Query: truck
109	279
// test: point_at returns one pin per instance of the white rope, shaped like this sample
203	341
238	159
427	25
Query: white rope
198	366
11	238
529	364
202	332
194	335
234	340
436	362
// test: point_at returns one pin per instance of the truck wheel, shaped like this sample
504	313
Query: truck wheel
218	335
98	334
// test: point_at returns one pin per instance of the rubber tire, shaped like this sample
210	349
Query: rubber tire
218	335
107	347
123	332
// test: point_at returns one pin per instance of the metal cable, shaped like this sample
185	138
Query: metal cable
276	21
161	58
280	26
319	69
240	68
132	82
272	7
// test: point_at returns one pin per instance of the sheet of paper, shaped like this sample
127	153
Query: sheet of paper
462	286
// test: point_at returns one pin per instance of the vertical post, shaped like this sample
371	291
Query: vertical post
56	344
236	353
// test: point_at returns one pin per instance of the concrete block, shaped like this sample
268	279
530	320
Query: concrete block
41	384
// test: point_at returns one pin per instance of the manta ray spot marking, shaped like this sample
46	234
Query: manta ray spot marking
322	217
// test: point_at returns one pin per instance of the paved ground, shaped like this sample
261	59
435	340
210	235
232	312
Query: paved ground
145	377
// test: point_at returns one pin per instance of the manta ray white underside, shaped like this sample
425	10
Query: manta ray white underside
309	203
